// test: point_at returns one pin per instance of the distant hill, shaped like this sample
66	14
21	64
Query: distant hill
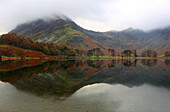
66	31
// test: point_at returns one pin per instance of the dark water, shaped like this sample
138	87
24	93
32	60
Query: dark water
85	86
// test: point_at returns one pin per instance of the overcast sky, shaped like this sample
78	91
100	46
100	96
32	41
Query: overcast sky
98	15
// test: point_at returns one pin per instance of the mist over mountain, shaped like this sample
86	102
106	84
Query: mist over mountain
63	30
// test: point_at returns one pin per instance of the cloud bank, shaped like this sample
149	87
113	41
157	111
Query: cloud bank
98	15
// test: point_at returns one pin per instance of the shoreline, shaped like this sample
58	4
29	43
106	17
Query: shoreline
50	58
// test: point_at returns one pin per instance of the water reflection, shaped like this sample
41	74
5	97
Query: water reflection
63	79
149	62
118	98
129	63
167	62
92	98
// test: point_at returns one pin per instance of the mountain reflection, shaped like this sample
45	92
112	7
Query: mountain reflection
63	78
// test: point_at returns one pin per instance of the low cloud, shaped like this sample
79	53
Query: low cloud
91	14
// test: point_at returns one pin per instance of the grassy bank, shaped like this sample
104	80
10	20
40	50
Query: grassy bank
112	58
4	58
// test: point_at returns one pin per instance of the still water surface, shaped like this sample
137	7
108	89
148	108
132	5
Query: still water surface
86	86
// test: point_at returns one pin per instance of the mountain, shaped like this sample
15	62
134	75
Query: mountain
58	31
66	31
158	40
130	38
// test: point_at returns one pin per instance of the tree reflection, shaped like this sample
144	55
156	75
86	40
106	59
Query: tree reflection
167	62
129	62
149	62
95	63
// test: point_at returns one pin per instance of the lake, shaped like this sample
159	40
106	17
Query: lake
85	86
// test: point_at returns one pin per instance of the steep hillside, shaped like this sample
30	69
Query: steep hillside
158	40
131	38
58	31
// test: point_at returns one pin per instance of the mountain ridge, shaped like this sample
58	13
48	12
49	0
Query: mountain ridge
68	32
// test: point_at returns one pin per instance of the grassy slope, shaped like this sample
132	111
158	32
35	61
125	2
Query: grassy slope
58	31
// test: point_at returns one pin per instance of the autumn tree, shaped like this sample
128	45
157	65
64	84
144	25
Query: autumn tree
111	52
67	50
149	53
133	53
90	53
127	53
167	54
